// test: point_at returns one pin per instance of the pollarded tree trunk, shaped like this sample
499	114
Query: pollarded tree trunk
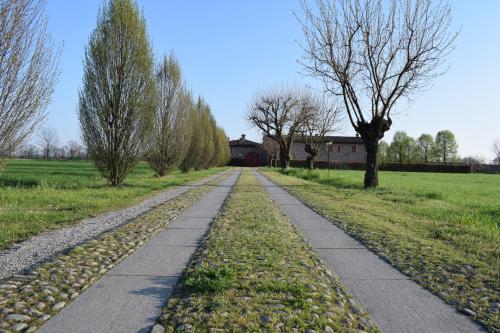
371	133
310	162
312	152
284	159
371	173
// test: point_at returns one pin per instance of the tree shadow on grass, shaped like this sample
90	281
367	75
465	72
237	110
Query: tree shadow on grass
17	182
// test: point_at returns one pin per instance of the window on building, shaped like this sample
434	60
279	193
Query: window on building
338	148
353	149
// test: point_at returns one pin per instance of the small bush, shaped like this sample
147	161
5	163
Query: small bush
210	279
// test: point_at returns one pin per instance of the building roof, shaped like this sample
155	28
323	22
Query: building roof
338	139
243	142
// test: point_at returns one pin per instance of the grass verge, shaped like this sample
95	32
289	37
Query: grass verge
27	301
457	259
36	196
254	273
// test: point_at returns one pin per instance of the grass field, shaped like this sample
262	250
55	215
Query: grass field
439	229
39	195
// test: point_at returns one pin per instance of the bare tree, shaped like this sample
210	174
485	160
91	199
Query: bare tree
27	151
48	141
473	160
280	113
272	148
60	153
325	119
371	55
496	150
28	70
73	149
171	133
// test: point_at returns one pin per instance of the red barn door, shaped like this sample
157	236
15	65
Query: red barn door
252	159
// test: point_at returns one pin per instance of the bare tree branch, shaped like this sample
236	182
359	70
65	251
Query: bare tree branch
325	119
372	53
48	141
280	114
28	70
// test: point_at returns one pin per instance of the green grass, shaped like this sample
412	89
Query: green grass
442	230
254	273
461	199
210	279
39	195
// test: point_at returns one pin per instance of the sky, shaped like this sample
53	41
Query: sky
229	50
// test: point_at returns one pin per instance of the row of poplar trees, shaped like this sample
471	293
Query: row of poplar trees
130	109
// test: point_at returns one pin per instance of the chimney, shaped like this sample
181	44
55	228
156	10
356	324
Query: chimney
357	135
242	137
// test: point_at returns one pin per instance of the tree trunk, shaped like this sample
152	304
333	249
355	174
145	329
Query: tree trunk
284	160
372	132
310	162
371	174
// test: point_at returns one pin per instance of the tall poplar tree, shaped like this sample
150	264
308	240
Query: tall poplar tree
171	132
117	100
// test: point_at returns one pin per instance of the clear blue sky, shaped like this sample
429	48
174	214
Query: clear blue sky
230	49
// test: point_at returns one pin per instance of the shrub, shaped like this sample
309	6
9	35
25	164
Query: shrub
210	279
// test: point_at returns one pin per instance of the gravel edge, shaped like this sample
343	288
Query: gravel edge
27	301
24	256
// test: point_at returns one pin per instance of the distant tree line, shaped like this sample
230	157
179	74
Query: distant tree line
48	147
130	110
442	148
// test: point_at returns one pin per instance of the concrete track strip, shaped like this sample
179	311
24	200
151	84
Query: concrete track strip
394	302
129	298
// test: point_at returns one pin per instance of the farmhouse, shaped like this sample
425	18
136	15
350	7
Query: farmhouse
246	153
343	149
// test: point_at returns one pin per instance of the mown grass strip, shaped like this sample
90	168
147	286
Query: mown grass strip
254	273
37	195
27	301
458	273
